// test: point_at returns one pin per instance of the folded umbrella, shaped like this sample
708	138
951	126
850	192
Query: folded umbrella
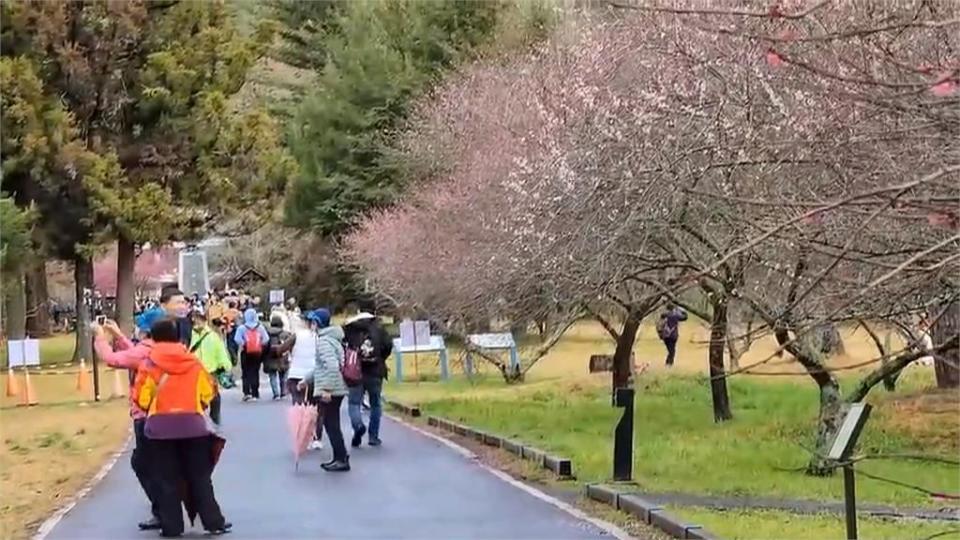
302	421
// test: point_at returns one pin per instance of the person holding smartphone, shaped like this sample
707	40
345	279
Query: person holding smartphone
124	354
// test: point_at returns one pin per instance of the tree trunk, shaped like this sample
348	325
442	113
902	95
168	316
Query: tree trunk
16	308
831	416
126	261
946	364
621	356
830	340
718	382
83	279
38	300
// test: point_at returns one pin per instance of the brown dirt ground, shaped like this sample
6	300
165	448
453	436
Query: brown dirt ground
48	453
931	416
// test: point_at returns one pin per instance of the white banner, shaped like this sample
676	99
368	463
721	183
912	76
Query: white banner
23	352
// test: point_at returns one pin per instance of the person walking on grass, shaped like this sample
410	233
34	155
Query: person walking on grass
127	355
668	329
276	359
328	386
251	339
302	361
175	389
372	345
212	352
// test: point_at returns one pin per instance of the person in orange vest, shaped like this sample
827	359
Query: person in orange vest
174	389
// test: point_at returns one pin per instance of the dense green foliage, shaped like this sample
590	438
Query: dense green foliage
147	87
304	29
378	56
15	243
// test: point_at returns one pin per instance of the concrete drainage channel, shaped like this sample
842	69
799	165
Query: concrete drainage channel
645	511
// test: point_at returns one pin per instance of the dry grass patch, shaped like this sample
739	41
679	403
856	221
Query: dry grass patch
48	453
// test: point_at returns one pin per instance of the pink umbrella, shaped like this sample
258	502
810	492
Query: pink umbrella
302	420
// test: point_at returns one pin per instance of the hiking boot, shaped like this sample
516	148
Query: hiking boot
358	436
151	524
227	526
374	442
337	466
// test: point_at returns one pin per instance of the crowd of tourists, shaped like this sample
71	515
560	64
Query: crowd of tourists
182	356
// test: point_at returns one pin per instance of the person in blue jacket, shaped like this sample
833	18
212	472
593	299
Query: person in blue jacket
252	341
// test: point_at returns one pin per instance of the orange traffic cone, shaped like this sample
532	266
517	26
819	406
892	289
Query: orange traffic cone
117	384
13	385
83	378
28	397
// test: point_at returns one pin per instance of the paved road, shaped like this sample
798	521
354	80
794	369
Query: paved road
412	487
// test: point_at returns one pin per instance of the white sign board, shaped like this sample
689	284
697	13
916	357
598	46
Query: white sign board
847	430
434	344
414	333
23	352
406	333
421	331
492	341
276	296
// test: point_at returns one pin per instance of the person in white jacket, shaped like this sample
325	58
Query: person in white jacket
303	359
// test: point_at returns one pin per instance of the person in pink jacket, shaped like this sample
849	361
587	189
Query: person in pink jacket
128	355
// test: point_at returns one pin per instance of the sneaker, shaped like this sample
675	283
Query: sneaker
275	398
227	526
316	445
254	399
337	466
151	524
374	441
246	398
358	436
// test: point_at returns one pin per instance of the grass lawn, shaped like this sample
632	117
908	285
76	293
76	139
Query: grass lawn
680	448
741	525
48	453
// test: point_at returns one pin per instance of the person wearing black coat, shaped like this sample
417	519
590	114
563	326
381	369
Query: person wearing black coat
366	336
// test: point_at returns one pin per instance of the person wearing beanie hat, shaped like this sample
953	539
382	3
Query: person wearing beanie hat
127	355
329	388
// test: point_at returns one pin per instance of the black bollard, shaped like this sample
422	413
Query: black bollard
96	374
623	436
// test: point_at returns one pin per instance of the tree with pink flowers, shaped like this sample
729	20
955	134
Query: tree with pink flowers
793	167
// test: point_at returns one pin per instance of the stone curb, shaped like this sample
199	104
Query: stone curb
560	466
647	512
408	410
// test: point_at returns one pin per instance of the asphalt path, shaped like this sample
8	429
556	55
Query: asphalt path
411	487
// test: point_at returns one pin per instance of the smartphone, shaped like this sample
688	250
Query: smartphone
101	319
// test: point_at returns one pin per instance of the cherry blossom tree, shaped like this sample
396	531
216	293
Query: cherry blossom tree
796	165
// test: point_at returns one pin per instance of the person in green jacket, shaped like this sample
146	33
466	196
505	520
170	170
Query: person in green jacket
210	348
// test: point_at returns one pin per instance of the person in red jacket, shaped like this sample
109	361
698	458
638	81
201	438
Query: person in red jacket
175	389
